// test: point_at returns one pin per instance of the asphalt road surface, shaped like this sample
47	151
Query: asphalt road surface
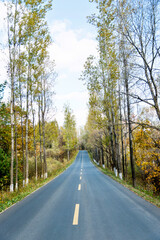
81	204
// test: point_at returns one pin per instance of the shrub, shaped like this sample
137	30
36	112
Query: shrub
4	169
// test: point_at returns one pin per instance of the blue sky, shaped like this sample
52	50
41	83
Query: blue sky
73	10
73	41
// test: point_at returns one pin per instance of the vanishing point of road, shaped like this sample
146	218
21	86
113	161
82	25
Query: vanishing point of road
81	204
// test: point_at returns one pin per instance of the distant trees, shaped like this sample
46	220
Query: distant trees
58	141
122	81
69	130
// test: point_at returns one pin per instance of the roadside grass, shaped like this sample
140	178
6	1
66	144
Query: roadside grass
139	190
8	199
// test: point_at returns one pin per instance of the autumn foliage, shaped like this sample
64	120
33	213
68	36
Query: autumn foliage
147	153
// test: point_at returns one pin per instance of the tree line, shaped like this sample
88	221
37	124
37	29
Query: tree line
123	82
24	130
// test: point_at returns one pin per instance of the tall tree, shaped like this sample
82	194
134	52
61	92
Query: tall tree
12	18
141	31
70	135
28	40
37	41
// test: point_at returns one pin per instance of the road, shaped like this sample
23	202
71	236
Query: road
81	204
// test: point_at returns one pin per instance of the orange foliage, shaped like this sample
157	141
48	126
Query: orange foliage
147	152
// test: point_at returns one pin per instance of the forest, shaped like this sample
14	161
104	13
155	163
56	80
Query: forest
122	132
31	146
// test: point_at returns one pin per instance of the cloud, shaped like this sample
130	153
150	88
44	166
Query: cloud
80	117
3	14
73	96
3	24
77	101
71	47
3	41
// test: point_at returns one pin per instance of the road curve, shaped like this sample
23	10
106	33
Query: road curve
81	204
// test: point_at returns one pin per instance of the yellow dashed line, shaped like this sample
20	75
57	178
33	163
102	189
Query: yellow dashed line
76	215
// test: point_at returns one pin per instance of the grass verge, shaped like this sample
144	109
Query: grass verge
147	195
8	199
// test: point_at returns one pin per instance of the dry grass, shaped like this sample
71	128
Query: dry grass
55	168
139	190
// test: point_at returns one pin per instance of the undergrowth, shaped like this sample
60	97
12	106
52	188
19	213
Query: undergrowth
139	190
7	199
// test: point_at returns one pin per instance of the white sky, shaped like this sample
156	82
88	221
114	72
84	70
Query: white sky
73	41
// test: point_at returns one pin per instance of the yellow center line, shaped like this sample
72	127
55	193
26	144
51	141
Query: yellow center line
79	187
76	215
80	178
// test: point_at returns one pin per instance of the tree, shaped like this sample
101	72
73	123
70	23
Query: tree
52	132
2	87
4	169
37	39
5	128
69	130
123	78
141	31
28	40
147	150
12	18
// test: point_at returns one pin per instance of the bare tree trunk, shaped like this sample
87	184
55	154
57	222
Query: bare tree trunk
34	139
110	131
21	114
125	76
27	164
27	118
113	135
129	124
122	143
16	157
12	138
43	109
102	152
115	143
12	56
27	111
68	155
112	146
107	160
40	135
125	139
44	147
22	132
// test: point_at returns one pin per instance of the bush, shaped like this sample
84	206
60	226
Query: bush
53	165
4	169
50	153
